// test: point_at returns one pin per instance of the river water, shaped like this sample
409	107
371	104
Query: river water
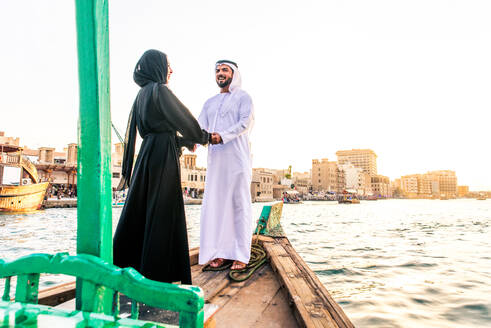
388	263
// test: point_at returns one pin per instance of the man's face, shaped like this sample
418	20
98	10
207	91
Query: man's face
223	75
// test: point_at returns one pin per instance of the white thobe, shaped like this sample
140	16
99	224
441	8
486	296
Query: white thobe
226	213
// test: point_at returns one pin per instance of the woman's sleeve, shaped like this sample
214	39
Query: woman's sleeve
180	117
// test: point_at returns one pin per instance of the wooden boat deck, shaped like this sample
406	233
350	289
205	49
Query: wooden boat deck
284	293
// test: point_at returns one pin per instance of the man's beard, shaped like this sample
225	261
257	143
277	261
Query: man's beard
224	83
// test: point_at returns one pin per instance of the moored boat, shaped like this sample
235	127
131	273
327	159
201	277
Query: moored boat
348	199
23	193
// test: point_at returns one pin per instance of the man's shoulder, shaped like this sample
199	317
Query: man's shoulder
211	99
243	96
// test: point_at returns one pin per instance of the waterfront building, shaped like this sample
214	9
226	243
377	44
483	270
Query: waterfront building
409	185
193	178
326	176
462	191
278	191
447	182
432	184
302	182
117	164
279	175
8	140
365	159
356	179
57	167
428	185
381	186
263	182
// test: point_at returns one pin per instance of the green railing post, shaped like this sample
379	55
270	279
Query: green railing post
94	224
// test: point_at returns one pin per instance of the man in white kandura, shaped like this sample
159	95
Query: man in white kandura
226	213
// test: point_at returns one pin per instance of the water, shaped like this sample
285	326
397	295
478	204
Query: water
393	263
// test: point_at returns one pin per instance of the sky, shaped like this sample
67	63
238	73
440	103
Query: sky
410	80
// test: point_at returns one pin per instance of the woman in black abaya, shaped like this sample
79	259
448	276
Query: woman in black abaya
151	235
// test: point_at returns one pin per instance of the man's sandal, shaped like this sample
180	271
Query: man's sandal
238	267
222	265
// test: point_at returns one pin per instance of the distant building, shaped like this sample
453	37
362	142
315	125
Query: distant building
409	185
326	176
117	164
381	186
447	182
462	191
8	140
430	185
356	179
265	178
365	159
302	182
193	178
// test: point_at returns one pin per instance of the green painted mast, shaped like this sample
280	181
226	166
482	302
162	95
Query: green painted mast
94	216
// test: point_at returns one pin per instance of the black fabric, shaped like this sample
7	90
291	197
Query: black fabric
151	235
225	61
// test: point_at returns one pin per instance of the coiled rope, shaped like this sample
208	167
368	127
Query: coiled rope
258	258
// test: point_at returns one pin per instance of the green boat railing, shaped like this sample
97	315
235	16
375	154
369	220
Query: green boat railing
98	281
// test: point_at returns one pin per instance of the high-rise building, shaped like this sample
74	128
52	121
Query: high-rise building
365	159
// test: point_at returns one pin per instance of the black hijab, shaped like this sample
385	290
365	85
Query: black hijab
152	67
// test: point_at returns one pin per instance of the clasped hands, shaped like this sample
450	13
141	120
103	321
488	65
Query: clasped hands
214	139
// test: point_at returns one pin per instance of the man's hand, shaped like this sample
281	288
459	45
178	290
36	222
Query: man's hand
194	148
216	138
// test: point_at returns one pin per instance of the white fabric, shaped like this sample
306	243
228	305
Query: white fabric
226	213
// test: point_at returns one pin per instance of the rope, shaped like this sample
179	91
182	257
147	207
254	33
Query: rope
258	258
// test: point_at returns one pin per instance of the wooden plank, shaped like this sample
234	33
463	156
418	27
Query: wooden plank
193	256
248	305
298	294
58	294
211	282
311	310
278	314
334	309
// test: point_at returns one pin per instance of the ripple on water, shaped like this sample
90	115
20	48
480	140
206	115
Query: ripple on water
376	321
341	271
476	313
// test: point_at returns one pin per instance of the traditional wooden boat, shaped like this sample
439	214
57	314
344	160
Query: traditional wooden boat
25	196
282	293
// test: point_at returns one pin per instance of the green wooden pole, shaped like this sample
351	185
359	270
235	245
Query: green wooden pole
94	224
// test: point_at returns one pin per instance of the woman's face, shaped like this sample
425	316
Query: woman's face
169	72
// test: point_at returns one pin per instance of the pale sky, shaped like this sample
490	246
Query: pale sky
410	80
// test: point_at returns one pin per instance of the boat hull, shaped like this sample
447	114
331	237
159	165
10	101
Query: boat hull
22	199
